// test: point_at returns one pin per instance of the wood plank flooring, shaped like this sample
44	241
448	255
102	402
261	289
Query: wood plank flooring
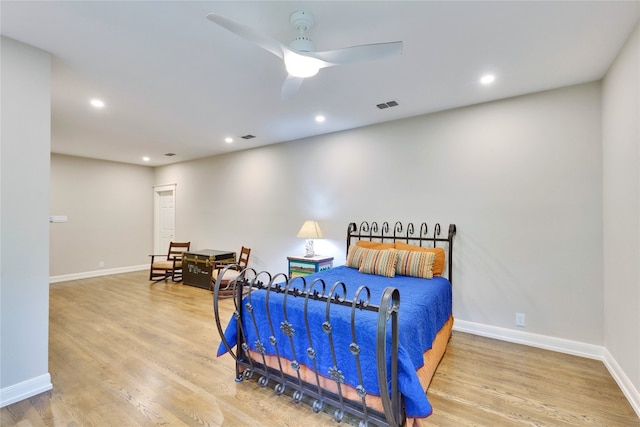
128	352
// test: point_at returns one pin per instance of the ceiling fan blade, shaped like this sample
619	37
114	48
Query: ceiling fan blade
290	87
246	32
361	53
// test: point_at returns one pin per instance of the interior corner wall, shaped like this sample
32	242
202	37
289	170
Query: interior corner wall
621	186
521	178
109	210
24	227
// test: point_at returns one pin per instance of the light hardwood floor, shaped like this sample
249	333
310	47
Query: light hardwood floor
127	352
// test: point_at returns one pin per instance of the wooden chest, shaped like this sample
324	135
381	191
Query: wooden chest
197	266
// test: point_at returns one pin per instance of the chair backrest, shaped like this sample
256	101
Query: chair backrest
176	249
243	258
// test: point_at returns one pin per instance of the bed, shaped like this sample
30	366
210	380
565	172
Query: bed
341	338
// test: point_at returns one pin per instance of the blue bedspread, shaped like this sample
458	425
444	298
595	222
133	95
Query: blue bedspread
425	306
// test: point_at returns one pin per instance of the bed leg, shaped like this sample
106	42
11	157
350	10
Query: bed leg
239	374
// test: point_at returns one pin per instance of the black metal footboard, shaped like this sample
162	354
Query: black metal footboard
286	372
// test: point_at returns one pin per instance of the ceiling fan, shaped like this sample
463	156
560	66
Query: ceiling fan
300	57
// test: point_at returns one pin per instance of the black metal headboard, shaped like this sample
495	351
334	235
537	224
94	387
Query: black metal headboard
399	233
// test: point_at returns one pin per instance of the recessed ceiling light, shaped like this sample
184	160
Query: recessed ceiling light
145	159
320	118
228	140
97	103
487	79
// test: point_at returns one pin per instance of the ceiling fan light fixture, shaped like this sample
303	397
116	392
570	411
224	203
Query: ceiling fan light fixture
301	58
301	66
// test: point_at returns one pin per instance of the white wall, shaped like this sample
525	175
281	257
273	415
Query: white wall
24	228
109	207
521	178
621	160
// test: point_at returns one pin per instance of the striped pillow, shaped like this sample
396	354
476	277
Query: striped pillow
438	264
382	263
415	263
355	255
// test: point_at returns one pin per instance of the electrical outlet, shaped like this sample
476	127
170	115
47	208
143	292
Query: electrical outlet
520	319
101	264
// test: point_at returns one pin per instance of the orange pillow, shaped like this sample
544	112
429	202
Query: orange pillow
438	264
374	245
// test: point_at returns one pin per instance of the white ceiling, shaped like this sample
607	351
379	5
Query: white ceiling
174	82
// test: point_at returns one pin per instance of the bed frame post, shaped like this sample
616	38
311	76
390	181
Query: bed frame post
239	290
389	307
452	233
350	230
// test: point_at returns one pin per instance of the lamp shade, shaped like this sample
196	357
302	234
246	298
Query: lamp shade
310	230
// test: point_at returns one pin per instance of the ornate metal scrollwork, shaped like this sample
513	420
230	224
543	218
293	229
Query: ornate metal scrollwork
263	381
393	309
410	229
424	230
397	229
279	389
336	374
326	327
354	349
287	328
385	228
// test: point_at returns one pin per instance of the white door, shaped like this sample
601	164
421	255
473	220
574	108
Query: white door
165	217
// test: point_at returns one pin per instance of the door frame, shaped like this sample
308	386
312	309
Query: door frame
157	189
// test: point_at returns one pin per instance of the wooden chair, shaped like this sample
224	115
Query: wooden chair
231	274
171	266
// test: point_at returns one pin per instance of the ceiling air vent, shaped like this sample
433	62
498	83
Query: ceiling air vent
170	154
387	104
248	136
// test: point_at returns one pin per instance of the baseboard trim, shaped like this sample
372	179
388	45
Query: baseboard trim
535	340
25	389
561	345
625	384
97	273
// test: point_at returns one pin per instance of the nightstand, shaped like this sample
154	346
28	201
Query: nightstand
302	266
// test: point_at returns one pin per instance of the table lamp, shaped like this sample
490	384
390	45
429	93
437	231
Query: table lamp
310	230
